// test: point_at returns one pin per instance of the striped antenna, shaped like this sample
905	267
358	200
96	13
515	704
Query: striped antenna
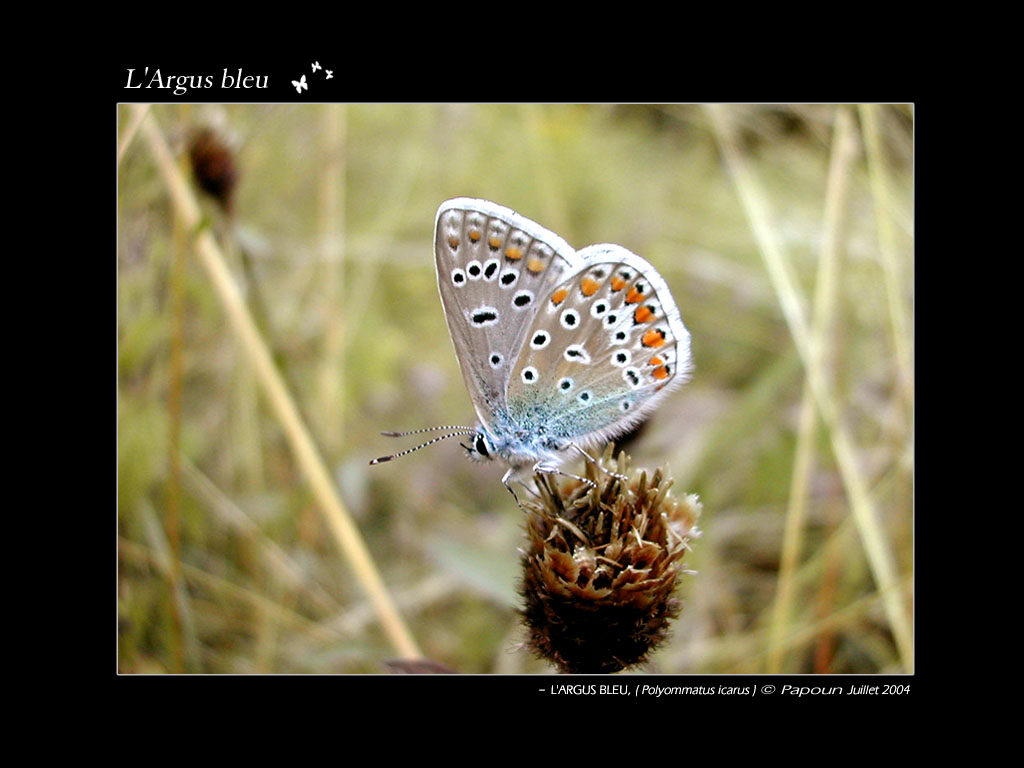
427	429
382	459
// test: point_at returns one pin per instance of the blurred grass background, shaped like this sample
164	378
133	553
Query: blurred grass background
786	235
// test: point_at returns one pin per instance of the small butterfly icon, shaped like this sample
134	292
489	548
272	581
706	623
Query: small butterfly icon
330	73
316	65
300	84
560	349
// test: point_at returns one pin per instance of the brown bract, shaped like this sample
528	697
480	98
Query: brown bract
602	564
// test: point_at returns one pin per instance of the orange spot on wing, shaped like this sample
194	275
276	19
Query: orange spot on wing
513	253
655	361
474	235
618	283
453	241
634	296
661	372
535	265
642	314
559	296
653	338
588	287
494	242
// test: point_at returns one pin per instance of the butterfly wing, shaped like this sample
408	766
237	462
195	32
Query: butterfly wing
605	346
493	269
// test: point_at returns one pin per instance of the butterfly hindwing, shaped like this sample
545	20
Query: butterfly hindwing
493	269
606	344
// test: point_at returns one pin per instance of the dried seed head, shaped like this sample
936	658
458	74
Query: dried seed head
213	165
601	565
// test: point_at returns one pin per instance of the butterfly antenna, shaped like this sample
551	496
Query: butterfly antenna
427	429
382	459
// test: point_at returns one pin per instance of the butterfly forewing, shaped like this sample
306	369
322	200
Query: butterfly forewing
494	269
606	344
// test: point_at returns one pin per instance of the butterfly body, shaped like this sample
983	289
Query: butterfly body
521	442
558	348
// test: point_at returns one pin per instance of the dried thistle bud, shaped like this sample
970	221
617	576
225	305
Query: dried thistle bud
214	167
601	566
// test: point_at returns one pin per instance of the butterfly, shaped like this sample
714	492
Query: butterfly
560	349
300	84
316	65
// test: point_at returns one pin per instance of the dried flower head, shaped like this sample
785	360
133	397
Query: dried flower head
213	165
601	566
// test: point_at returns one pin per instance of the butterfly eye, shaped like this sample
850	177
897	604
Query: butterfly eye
481	446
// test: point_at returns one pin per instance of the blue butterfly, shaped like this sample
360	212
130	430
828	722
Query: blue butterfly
561	350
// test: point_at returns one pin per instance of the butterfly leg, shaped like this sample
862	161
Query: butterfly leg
597	464
509	478
550	469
